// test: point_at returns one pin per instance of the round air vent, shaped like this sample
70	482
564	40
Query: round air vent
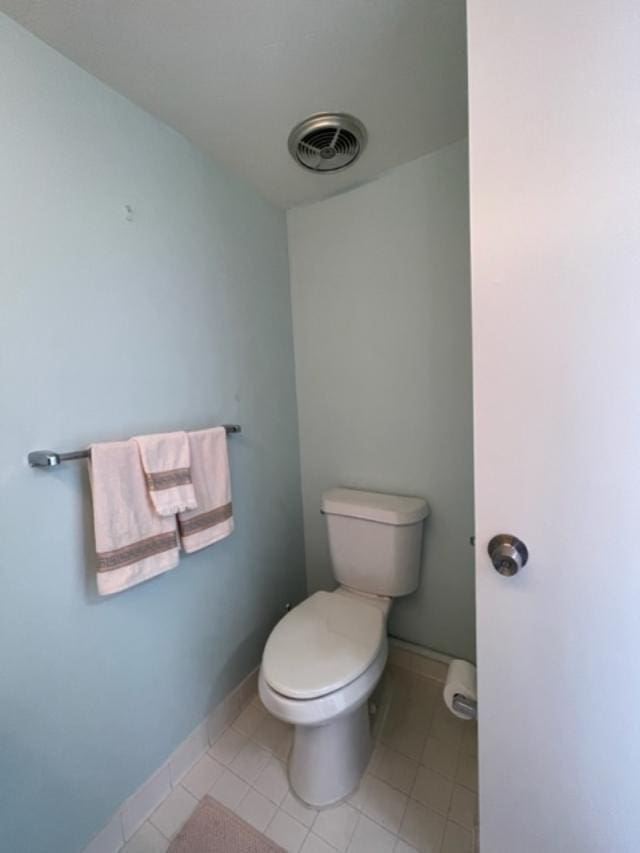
327	142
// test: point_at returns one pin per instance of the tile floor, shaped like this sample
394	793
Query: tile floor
419	792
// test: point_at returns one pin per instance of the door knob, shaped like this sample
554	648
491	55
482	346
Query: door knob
508	554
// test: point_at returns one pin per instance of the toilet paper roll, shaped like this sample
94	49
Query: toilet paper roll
461	678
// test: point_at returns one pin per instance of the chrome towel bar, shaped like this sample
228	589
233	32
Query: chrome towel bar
51	458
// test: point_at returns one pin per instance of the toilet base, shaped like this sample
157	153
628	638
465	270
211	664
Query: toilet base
327	762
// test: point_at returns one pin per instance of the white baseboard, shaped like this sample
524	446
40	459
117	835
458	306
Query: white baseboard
137	808
419	659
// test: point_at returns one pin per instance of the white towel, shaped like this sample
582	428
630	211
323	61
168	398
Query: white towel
133	543
167	466
213	520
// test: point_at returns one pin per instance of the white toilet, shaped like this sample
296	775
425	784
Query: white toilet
324	658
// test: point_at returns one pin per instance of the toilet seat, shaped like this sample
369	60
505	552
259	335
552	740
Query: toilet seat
322	645
327	708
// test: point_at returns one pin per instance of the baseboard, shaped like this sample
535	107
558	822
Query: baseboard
140	805
418	659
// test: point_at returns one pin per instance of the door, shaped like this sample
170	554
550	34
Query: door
555	220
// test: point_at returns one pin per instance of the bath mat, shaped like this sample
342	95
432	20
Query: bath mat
212	828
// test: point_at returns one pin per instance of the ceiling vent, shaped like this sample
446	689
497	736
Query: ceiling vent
327	142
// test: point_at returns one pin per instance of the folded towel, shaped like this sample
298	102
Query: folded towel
167	466
133	542
213	520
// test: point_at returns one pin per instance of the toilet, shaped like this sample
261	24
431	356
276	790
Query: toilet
323	660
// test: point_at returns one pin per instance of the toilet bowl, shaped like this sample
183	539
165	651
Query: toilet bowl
320	665
323	660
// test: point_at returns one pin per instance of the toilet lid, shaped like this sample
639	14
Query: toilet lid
321	645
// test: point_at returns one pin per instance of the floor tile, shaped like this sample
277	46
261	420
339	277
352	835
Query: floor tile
467	772
174	811
217	722
445	726
433	790
287	832
399	703
470	739
229	790
418	795
423	703
301	811
404	735
391	728
147	839
284	747
464	807
249	688
356	798
376	755
441	756
250	761
456	839
401	657
336	825
398	700
369	837
273	781
313	844
256	809
403	847
232	705
409	741
422	828
254	699
383	803
394	768
249	720
271	733
257	701
202	776
430	668
420	720
400	672
425	696
227	746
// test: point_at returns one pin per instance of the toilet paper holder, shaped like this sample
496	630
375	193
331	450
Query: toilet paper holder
465	705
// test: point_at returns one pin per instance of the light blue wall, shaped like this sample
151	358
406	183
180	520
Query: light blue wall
382	325
180	318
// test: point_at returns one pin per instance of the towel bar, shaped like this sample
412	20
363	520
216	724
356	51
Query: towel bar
51	458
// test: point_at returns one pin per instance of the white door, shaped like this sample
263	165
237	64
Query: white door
555	220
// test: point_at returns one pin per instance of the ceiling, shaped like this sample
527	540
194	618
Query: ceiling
234	76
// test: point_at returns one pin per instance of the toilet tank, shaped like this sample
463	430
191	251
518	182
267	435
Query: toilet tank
375	540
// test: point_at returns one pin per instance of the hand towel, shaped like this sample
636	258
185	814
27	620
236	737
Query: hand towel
167	466
213	520
133	542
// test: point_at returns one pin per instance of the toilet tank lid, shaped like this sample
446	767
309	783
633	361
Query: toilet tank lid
374	506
